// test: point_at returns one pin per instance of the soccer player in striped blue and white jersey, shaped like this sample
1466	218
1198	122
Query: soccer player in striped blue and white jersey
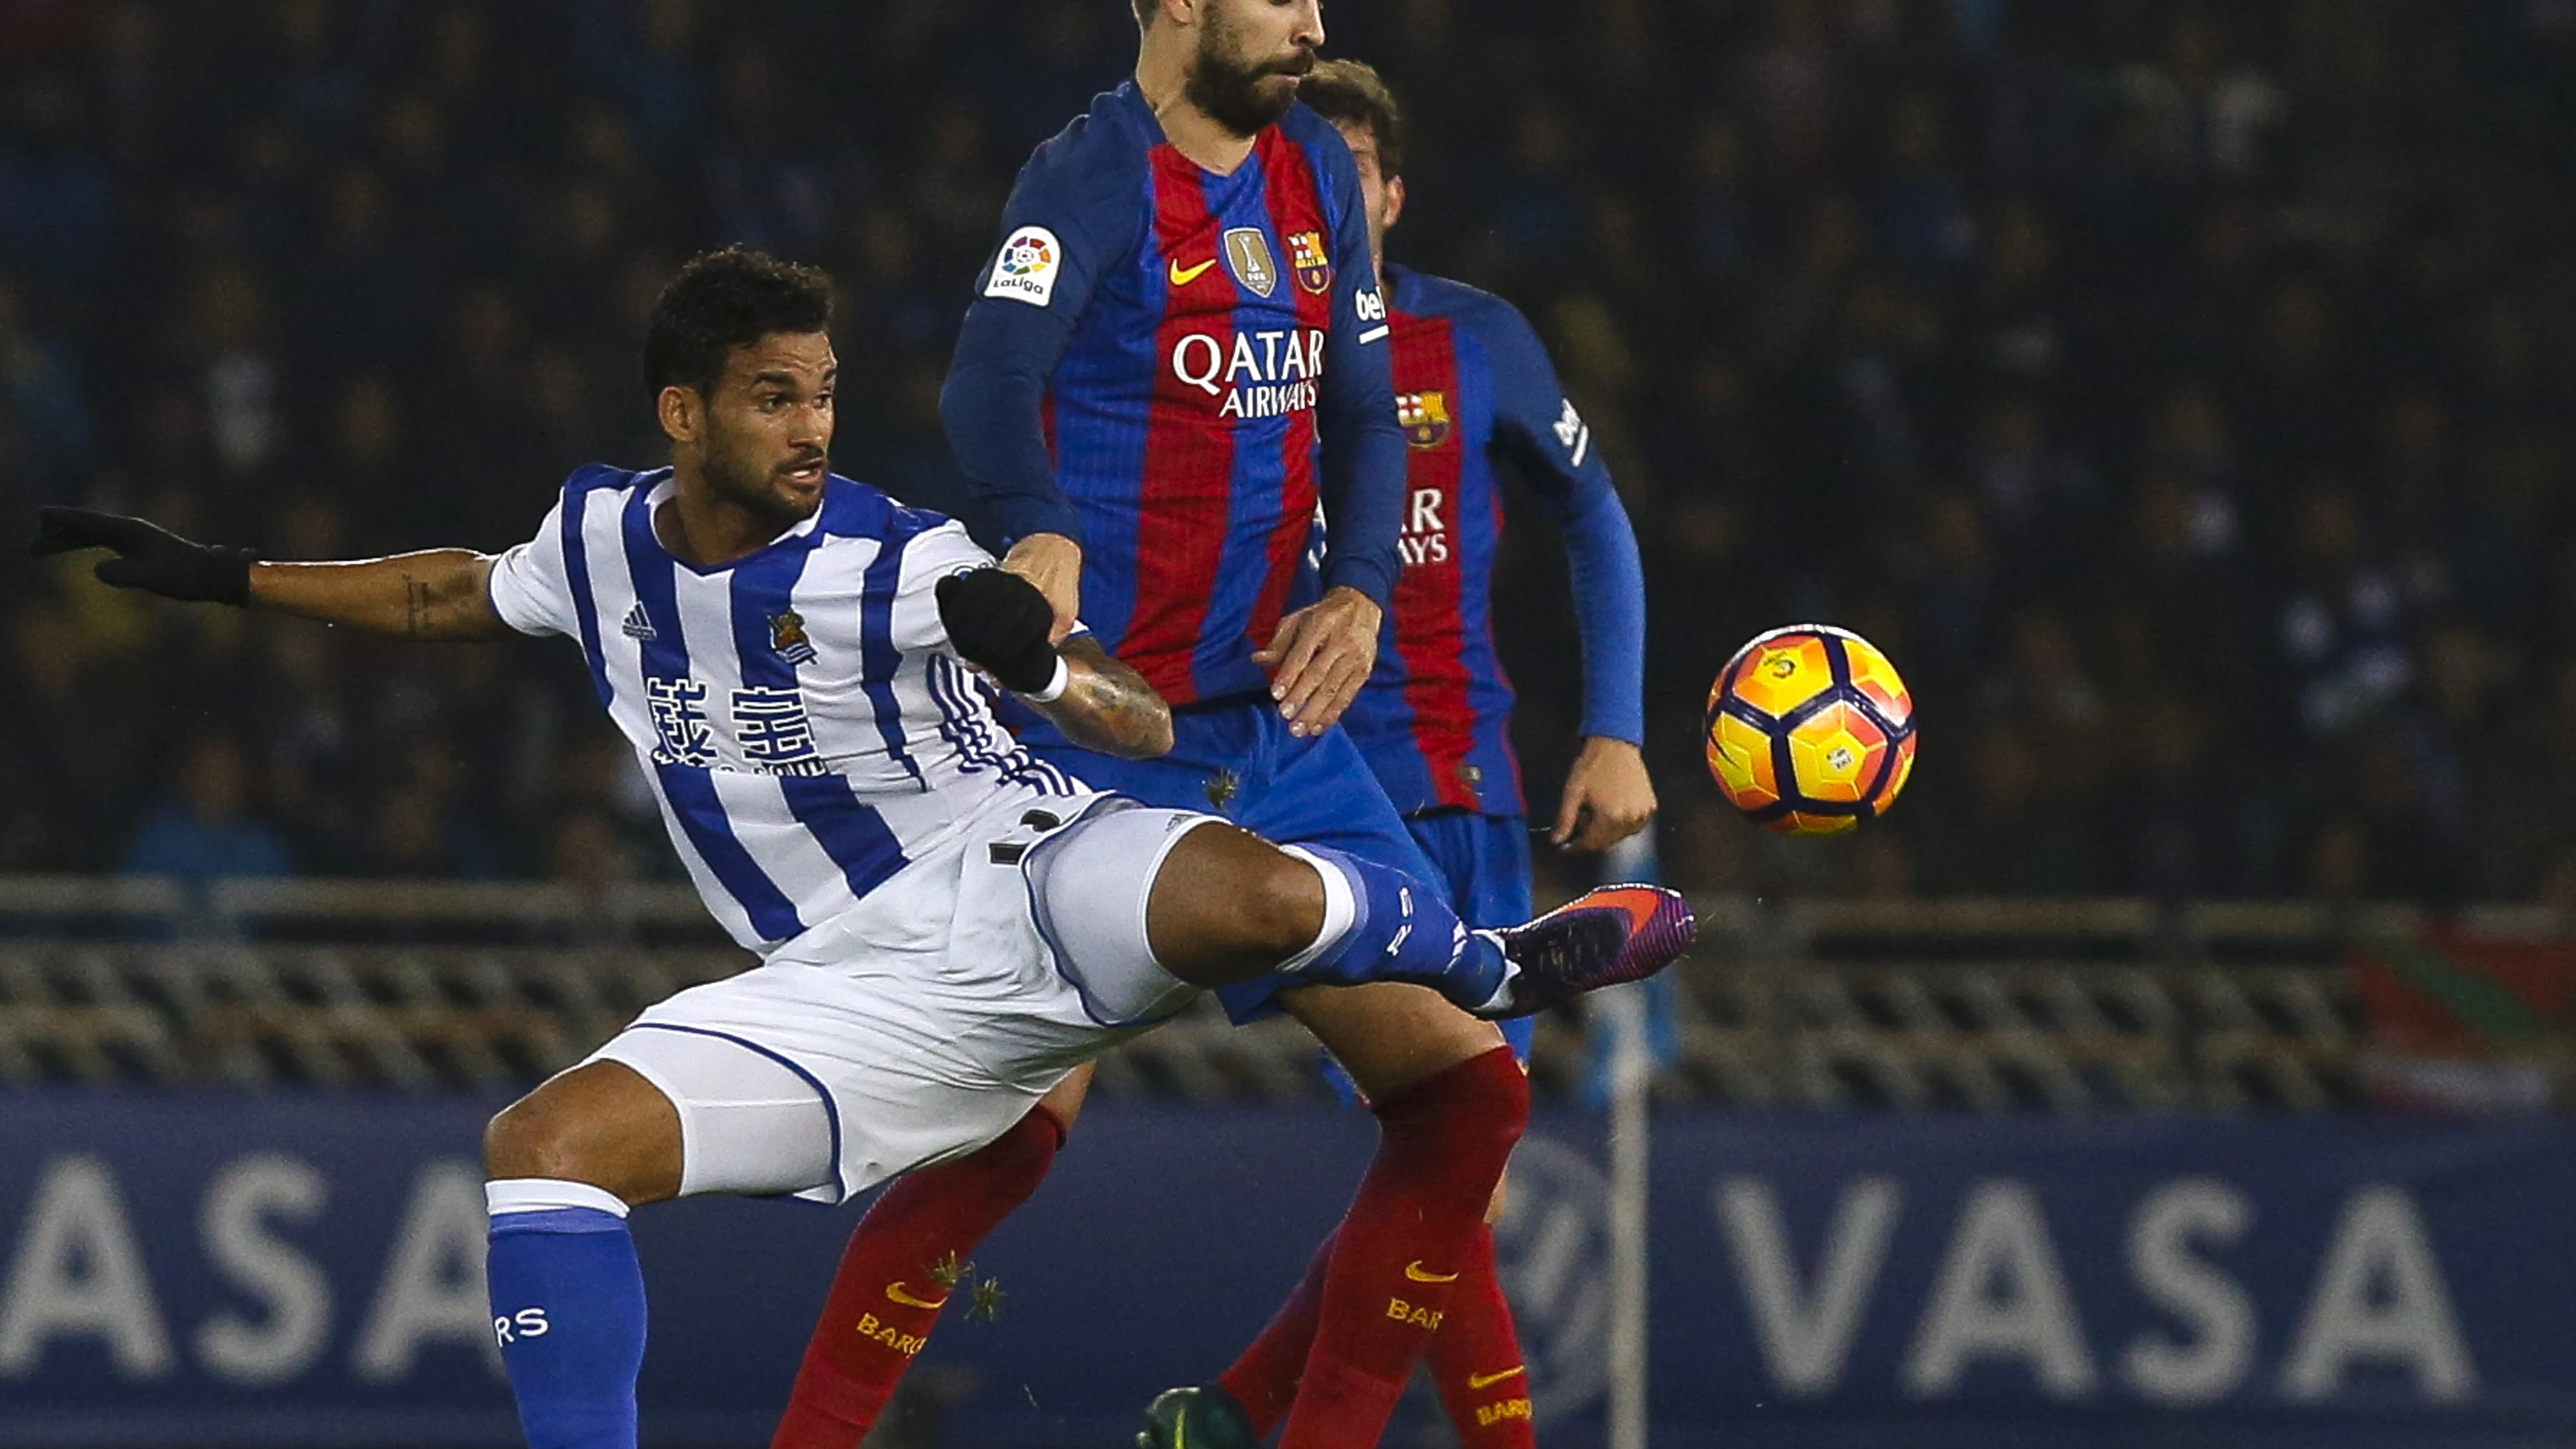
946	927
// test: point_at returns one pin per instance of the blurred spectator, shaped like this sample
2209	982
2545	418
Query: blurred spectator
2342	626
206	830
2204	112
58	209
68	743
52	445
587	855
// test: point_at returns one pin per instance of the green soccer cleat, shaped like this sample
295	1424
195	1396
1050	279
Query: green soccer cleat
1196	1418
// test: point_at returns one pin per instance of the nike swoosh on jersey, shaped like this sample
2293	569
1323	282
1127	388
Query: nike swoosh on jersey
1487	1381
1182	276
1419	1274
895	1291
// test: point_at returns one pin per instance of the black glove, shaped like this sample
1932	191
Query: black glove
149	558
1000	622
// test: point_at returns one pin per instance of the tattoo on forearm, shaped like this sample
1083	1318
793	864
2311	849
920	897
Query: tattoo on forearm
417	592
1109	707
1123	710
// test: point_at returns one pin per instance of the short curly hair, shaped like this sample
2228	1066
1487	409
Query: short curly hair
1352	93
723	300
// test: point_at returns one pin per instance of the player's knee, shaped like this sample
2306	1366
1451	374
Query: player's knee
1481	1105
1280	905
525	1140
538	1137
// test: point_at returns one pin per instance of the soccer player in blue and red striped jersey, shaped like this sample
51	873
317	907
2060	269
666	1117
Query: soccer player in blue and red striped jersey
1476	397
1179	351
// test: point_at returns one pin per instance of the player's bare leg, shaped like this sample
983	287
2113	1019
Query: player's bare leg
600	1125
1392	1037
1228	906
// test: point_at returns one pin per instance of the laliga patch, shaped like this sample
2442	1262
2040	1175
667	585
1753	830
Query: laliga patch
1026	270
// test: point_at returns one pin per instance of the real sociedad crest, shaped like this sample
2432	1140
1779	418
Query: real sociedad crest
1306	255
1424	416
1247	255
787	637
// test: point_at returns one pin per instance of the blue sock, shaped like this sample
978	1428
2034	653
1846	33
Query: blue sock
568	1307
1382	925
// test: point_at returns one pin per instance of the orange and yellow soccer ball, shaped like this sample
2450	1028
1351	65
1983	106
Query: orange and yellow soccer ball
1810	731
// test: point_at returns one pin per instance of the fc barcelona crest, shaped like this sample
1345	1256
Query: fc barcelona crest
787	637
1306	256
1424	416
1247	255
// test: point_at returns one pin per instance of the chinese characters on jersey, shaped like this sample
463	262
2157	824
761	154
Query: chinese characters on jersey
770	726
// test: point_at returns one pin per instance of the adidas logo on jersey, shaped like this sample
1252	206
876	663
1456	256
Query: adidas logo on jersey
638	625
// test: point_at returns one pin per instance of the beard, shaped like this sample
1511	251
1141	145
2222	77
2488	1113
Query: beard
1240	95
735	476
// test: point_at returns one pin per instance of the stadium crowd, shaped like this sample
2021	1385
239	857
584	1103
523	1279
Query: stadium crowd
2179	392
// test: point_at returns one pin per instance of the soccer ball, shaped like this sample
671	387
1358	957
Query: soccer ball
1810	732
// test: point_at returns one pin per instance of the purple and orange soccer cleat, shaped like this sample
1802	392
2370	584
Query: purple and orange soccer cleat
1606	936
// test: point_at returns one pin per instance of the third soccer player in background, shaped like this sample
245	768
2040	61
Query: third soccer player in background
1476	396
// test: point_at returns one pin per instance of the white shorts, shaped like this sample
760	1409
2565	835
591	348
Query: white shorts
921	1043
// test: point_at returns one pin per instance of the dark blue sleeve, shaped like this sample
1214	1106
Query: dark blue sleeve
1071	219
1362	478
1536	424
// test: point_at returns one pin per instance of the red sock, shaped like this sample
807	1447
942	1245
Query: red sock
888	1292
1264	1380
1404	1244
1475	1359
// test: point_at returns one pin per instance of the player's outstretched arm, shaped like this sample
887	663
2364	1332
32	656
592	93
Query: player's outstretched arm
1608	796
1000	623
435	595
439	594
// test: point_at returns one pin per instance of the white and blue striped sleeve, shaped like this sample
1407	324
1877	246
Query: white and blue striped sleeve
928	558
530	587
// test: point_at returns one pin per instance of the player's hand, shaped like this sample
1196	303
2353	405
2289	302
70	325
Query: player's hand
148	557
1607	796
1053	562
1320	657
999	623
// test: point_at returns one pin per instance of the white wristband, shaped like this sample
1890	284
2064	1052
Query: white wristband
1055	687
